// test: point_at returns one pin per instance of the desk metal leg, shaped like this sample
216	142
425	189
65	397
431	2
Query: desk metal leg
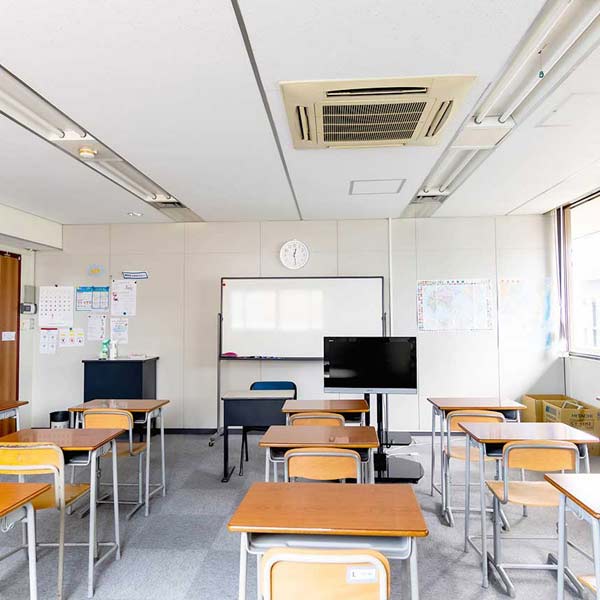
467	489
371	466
560	573
484	560
92	526
226	470
243	567
414	572
17	421
115	476
162	453
31	551
432	449
148	438
267	465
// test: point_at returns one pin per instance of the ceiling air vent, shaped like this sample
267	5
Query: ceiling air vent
176	211
379	112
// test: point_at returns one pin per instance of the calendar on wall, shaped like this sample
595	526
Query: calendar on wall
56	306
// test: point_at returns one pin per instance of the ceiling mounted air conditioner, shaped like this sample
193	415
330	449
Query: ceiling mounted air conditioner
372	112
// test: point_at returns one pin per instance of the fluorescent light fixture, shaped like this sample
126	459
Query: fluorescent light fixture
29	109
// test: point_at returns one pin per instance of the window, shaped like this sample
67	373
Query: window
582	224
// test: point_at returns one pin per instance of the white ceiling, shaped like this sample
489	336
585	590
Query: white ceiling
170	87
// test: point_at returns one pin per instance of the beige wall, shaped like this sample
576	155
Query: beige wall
178	305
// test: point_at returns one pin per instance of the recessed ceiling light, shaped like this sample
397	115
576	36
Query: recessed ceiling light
87	152
135	214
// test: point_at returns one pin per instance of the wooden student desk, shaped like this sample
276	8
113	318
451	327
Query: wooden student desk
346	512
579	493
15	505
346	408
148	409
440	409
10	410
492	437
94	442
280	438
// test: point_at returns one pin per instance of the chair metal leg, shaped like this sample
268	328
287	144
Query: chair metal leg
92	526
596	546
467	490
432	450
258	573
148	436
242	448
31	551
61	551
267	465
484	567
115	476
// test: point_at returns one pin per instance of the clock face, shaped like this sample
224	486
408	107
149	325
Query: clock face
294	254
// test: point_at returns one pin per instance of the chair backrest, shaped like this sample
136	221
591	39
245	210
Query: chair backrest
322	419
322	464
109	418
543	456
275	385
27	458
456	417
298	574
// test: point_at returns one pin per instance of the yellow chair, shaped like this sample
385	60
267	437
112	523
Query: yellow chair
27	459
298	574
323	464
322	419
457	451
543	456
112	418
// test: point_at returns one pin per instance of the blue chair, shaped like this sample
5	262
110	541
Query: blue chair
262	385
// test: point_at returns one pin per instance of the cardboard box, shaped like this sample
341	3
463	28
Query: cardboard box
580	415
534	413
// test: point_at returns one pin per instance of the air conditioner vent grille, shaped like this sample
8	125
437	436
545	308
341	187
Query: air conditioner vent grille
371	122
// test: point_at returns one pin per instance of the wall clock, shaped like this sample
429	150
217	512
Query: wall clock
294	254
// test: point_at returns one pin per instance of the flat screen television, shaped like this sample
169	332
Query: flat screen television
379	365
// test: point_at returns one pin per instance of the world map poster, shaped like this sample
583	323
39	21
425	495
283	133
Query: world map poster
454	304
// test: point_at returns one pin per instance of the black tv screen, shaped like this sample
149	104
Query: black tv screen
370	365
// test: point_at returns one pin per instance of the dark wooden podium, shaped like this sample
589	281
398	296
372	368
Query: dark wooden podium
129	378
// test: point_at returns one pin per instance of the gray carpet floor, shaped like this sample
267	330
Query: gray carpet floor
184	551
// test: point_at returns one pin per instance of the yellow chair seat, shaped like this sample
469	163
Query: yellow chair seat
589	581
73	491
123	449
458	452
528	493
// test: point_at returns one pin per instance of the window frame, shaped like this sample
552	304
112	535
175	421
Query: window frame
565	273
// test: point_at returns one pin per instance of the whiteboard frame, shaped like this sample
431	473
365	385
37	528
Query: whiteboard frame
288	358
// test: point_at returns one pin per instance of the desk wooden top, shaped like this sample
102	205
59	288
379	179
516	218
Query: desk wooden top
331	509
140	406
10	405
448	404
337	406
259	395
284	436
582	488
13	495
501	433
82	440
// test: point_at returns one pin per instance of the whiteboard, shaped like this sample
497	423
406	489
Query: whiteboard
289	317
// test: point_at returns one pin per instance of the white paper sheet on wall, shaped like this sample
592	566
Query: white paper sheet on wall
56	306
48	341
71	338
454	305
119	330
123	298
96	327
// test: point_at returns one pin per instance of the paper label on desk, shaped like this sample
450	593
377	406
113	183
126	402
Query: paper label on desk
9	336
361	575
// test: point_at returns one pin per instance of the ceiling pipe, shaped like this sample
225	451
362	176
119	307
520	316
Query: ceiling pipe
555	58
531	47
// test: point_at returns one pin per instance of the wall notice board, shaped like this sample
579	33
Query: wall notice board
288	317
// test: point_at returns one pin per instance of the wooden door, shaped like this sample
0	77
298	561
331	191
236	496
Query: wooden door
10	294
